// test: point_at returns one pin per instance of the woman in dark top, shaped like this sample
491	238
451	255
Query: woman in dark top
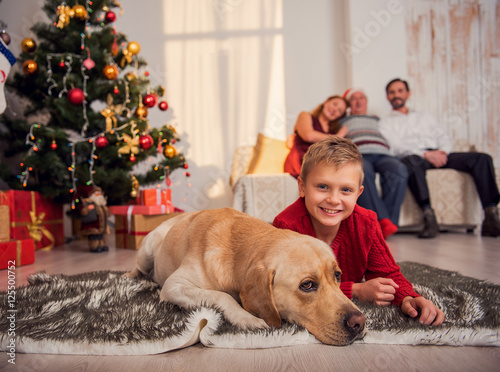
315	126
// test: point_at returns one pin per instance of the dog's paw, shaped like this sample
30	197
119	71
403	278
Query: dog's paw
133	274
250	323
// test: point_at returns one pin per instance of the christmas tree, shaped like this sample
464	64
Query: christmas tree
91	86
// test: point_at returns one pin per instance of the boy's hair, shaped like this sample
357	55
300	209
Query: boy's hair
334	152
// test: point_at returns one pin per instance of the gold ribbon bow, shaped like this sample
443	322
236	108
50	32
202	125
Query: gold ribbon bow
130	146
127	57
110	112
37	231
65	13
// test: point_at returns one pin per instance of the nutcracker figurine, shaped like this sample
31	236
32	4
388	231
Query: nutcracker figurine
94	215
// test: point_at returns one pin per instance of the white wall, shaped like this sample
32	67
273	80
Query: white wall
377	48
315	68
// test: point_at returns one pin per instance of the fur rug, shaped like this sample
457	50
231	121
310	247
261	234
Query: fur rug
104	313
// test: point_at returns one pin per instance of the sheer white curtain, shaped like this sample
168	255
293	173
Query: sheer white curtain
225	83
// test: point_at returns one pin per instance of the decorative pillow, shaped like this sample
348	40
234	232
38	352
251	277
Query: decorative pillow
269	156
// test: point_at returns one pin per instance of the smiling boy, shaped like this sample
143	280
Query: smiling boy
330	183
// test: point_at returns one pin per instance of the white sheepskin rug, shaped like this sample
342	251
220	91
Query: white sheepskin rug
105	313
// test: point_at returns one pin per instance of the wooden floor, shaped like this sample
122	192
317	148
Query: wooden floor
468	254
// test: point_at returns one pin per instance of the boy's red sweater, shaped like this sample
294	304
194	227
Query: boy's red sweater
359	247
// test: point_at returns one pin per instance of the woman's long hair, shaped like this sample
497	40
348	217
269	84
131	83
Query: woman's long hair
334	125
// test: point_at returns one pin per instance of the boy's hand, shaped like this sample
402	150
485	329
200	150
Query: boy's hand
380	291
429	313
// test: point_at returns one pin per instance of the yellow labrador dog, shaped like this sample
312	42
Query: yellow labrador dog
222	257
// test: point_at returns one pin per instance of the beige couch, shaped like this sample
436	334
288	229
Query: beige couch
262	190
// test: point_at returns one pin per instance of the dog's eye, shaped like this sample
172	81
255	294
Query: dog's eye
308	286
338	274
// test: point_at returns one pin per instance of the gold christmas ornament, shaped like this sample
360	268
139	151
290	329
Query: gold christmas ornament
134	47
80	12
141	112
30	67
170	151
28	45
135	187
110	72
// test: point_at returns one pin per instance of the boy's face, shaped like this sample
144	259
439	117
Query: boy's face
330	195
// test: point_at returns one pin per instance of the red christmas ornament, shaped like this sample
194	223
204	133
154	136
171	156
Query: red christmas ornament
101	142
132	158
53	145
61	64
110	16
145	141
116	90
186	166
76	96
163	105
149	100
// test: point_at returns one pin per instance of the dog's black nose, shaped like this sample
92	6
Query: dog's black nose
355	322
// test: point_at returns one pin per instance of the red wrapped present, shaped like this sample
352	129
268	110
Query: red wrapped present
141	209
131	229
16	253
34	217
156	197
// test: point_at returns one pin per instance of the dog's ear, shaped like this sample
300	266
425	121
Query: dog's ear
257	296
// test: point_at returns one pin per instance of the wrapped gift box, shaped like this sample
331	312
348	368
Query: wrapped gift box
4	223
34	217
130	230
134	222
141	209
16	253
156	197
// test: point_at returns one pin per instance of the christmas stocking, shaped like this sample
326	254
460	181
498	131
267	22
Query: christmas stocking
7	60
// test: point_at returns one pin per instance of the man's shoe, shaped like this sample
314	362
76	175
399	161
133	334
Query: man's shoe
431	228
491	223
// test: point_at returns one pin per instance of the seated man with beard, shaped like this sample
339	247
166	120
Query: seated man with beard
94	216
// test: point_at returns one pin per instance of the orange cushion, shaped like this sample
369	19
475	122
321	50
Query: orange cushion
269	156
